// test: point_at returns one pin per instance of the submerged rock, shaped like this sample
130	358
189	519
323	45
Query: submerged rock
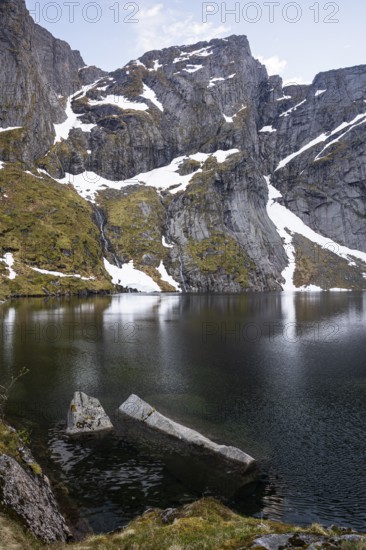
27	493
142	411
86	415
190	454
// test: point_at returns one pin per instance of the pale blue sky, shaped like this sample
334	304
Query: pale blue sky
110	33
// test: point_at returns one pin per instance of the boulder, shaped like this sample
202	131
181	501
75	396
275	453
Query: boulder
192	456
86	415
28	495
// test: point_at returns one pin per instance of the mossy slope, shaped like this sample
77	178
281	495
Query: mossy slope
203	525
135	227
48	226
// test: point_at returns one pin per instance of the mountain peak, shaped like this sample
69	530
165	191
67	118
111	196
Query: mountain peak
234	44
183	146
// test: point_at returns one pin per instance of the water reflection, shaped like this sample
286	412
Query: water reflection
281	375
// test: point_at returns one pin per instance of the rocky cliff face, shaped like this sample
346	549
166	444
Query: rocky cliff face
37	73
203	171
325	185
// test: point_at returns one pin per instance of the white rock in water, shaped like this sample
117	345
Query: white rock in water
86	415
138	409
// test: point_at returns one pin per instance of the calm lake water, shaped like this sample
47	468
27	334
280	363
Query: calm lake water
282	376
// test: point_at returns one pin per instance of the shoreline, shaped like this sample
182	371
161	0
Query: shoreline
204	523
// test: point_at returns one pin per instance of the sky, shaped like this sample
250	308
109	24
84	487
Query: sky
296	40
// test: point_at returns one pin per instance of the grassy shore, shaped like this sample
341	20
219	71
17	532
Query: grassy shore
203	525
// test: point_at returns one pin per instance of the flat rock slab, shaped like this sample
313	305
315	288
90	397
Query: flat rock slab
139	410
86	415
30	497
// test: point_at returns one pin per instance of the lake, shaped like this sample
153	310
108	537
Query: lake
280	375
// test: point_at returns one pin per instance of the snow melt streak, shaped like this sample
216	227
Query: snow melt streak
287	223
8	259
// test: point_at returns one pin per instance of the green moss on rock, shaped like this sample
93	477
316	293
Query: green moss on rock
221	253
11	144
48	226
135	222
135	226
323	268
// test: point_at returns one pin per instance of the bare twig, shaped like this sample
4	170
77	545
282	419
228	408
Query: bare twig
6	389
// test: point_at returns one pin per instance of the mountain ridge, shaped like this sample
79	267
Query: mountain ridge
192	157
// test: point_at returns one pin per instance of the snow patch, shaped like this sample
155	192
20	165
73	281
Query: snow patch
42	171
310	288
228	118
185	56
221	156
121	102
203	52
31	174
357	121
10	128
88	184
72	121
58	274
167	278
287	224
340	290
288	159
165	244
148	93
193	68
156	66
138	63
8	259
168	177
130	277
268	129
319	92
213	81
1	164
293	109
283	97
350	125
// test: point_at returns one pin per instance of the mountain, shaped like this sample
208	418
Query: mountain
188	169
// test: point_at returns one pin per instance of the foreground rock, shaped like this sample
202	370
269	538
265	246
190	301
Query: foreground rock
26	492
192	455
303	540
86	415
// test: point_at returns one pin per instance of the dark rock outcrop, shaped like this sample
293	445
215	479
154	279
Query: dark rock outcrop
37	73
325	185
26	492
